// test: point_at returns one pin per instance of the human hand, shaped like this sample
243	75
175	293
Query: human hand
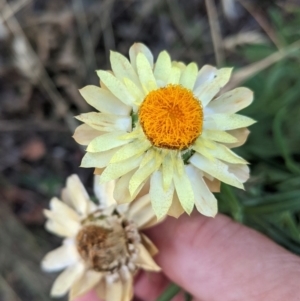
218	259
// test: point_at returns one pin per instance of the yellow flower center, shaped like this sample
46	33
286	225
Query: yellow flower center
171	117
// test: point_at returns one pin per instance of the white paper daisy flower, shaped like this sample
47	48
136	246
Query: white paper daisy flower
103	247
164	124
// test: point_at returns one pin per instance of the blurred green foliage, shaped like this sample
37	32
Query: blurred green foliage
271	201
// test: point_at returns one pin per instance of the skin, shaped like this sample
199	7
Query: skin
217	259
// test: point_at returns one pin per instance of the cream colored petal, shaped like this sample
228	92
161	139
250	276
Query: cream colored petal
63	221
137	93
148	156
145	260
241	135
116	87
179	65
218	151
106	142
140	212
231	101
184	189
162	69
128	288
161	199
121	191
213	185
116	170
217	169
84	134
241	171
141	175
176	209
219	136
209	89
136	147
81	286
65	280
174	76
227	122
145	73
168	169
203	147
60	258
58	207
205	74
101	289
114	290
98	160
104	192
78	195
106	122
205	201
104	101
225	154
65	197
59	229
188	76
149	245
137	48
122	68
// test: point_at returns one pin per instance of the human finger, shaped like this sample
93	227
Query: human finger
217	259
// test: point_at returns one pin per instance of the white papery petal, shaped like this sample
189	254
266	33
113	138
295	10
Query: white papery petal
78	195
145	73
217	169
231	101
60	208
104	192
98	160
162	69
104	101
161	199
122	68
145	260
136	147
60	229
241	171
209	89
65	280
84	134
205	74
116	170
116	87
88	281
205	201
114	290
106	122
188	76
227	122
137	48
107	141
140	211
174	76
60	258
184	189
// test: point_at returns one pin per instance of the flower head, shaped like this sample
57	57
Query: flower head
165	125
103	247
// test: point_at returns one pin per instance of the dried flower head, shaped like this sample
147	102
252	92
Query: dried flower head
165	125
103	247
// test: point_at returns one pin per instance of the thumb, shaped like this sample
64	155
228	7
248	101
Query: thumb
219	259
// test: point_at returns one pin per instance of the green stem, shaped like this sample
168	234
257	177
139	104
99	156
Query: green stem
171	291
